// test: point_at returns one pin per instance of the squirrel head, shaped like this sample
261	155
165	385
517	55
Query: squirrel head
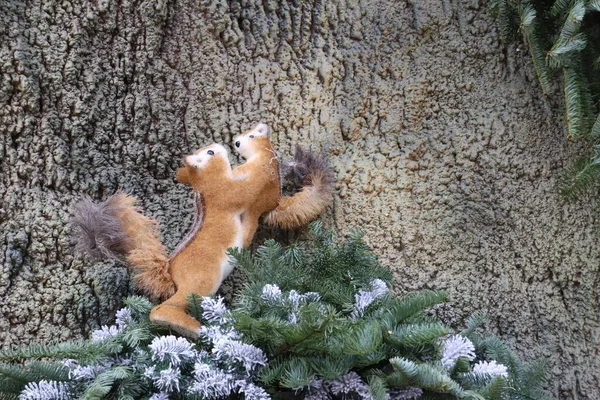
207	163
250	141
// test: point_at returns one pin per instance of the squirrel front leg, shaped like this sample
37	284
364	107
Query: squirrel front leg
249	227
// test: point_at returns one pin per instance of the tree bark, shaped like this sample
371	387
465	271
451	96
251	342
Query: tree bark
445	152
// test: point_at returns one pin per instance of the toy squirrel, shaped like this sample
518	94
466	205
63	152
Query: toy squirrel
262	169
116	229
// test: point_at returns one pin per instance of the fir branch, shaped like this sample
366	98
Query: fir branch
572	24
574	103
577	180
529	29
194	306
105	381
81	350
377	387
595	133
297	374
496	389
560	7
534	378
507	16
140	306
414	335
331	366
477	319
594	5
427	377
402	308
561	54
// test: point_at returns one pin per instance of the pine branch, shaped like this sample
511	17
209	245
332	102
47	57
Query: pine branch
572	24
402	308
331	366
560	7
529	29
80	350
496	389
377	387
105	381
577	181
140	306
297	374
416	335
194	306
507	15
595	133
574	103
477	319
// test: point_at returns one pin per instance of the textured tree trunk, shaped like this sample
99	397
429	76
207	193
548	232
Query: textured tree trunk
445	152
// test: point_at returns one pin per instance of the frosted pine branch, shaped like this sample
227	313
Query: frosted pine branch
214	311
272	294
252	392
124	317
172	349
248	355
104	333
491	368
159	396
168	380
455	347
210	382
45	390
364	298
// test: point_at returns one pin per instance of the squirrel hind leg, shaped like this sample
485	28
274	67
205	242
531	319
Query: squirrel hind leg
98	228
175	317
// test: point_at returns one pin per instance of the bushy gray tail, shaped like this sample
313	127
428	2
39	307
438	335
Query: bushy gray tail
98	229
116	229
316	177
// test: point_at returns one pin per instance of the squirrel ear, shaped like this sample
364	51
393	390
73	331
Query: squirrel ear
183	176
262	130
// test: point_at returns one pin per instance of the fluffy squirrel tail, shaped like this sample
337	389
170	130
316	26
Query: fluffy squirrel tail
115	229
317	192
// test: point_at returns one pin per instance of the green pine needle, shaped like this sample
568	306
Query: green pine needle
529	28
560	7
573	84
416	335
81	350
577	181
194	306
477	319
377	387
297	374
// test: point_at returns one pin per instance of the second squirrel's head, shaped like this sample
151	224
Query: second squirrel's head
249	142
209	161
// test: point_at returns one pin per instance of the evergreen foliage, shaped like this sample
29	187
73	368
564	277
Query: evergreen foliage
316	320
563	37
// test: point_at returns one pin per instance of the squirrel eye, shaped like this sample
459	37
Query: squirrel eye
251	136
211	153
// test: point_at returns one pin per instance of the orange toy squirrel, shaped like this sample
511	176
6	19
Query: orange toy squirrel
116	229
262	169
201	263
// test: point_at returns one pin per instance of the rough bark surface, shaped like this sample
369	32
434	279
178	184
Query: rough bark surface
445	152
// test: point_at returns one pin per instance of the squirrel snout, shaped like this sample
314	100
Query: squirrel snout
237	144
